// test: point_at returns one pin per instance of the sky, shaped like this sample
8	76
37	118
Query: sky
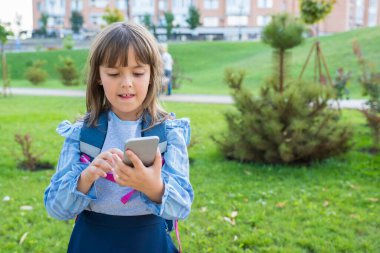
9	9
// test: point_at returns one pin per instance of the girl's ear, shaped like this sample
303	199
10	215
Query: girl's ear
100	82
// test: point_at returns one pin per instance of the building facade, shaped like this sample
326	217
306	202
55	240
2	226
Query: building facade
232	18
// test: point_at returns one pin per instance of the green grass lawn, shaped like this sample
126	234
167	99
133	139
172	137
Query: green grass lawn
331	206
205	62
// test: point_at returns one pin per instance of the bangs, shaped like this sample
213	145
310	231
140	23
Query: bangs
114	52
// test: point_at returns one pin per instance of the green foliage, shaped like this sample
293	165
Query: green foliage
178	76
370	81
283	32
313	11
326	207
194	17
68	71
147	21
68	42
35	74
29	161
4	33
169	19
43	20
112	15
76	21
295	126
340	83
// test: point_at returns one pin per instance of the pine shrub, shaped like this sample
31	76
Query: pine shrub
289	121
68	72
35	73
293	127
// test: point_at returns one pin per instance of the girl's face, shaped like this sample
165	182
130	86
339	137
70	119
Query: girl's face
126	87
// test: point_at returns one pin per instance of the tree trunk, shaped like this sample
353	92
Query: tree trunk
282	70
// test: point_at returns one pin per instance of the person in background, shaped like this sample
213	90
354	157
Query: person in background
168	67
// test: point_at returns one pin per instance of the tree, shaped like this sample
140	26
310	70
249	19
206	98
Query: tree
313	11
76	20
289	121
194	17
4	33
43	20
112	15
283	33
169	19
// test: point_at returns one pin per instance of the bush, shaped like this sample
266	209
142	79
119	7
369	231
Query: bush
370	81
29	160
178	76
340	83
35	74
293	127
68	42
290	121
68	72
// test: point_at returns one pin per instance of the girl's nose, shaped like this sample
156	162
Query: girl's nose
127	81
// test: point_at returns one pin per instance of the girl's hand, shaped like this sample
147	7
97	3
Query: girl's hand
145	179
99	167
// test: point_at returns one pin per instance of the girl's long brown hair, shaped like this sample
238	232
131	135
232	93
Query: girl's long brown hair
109	48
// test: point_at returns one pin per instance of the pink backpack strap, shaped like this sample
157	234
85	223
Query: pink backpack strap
177	235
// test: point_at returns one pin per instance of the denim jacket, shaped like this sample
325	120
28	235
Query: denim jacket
63	201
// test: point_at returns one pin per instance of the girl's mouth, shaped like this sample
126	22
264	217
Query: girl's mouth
126	96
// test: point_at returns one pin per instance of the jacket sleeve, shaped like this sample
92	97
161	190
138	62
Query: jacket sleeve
62	199
178	196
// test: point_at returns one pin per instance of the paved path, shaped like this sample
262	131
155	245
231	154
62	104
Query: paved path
189	98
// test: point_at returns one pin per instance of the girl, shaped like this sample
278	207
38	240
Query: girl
121	208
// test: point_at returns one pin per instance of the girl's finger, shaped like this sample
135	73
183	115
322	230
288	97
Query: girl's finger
157	160
117	152
137	163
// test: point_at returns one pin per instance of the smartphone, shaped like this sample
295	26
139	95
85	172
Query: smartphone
144	147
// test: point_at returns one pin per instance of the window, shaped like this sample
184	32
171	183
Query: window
211	4
211	21
263	20
265	3
237	20
238	7
76	5
359	13
99	3
372	13
162	5
120	4
181	4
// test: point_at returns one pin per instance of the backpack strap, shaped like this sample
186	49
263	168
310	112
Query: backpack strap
157	130
92	138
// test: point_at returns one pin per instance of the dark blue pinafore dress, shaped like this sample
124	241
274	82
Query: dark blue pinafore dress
102	233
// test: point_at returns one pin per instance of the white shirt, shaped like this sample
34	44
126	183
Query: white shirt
168	61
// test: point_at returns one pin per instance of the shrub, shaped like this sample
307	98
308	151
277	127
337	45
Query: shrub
29	161
341	82
178	76
35	74
290	121
68	72
68	42
293	127
370	81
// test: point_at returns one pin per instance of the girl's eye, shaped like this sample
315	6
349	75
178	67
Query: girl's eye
113	74
138	74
